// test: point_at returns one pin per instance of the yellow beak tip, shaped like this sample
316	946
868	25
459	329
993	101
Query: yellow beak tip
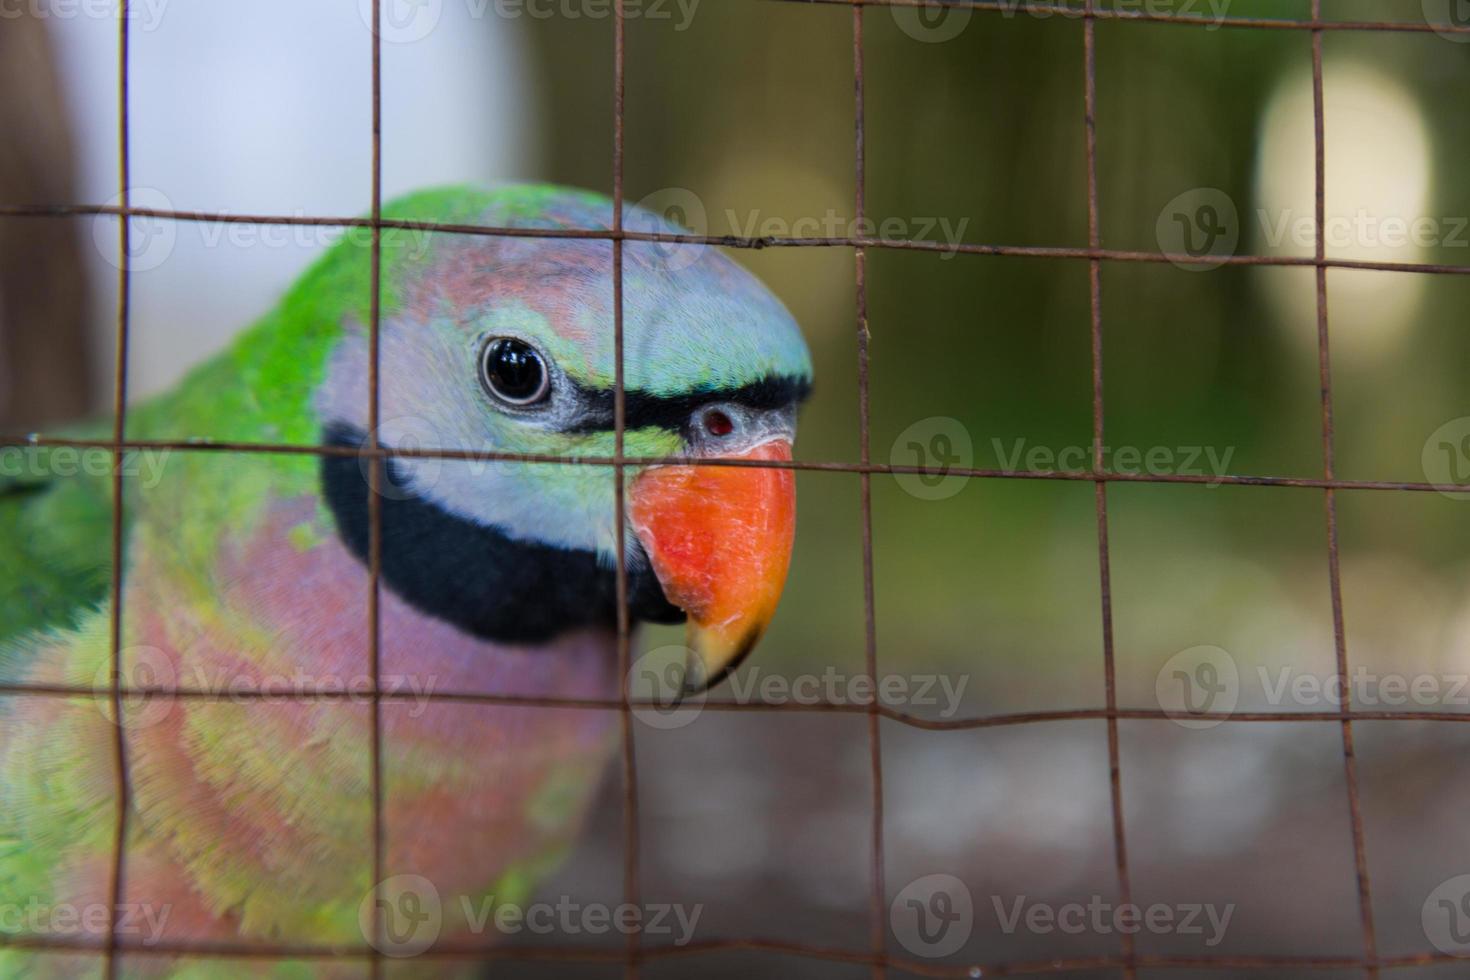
713	658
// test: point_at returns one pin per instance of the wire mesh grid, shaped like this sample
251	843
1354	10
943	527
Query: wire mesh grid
1127	961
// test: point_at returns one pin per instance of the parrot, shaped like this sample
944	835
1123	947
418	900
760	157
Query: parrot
245	573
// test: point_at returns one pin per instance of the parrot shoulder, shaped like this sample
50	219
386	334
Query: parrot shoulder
55	538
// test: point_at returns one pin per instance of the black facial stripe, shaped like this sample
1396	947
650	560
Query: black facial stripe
672	412
477	578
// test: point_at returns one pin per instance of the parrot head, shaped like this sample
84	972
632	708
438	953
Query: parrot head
505	344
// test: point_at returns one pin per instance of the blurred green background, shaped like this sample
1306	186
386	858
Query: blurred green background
751	109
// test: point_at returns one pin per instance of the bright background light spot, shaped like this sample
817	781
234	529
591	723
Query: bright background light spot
1378	179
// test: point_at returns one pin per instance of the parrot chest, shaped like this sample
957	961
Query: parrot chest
232	789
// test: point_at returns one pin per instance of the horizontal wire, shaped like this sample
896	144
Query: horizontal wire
365	694
451	952
33	440
1040	8
742	241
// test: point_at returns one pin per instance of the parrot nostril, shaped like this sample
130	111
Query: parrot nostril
717	423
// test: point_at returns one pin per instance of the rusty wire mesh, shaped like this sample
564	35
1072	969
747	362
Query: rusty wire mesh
1126	961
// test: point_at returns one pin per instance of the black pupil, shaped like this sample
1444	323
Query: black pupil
514	370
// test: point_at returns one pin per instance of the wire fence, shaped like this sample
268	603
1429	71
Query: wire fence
1127	961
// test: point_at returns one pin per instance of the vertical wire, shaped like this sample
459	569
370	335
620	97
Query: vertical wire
1329	469
1100	488
631	850
878	932
375	486
119	434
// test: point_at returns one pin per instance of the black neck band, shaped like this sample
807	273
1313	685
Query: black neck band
481	580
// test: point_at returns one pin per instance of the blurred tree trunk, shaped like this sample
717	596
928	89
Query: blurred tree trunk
44	363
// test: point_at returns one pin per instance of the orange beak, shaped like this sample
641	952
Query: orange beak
719	539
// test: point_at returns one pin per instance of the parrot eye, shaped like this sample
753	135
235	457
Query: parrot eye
514	372
717	423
